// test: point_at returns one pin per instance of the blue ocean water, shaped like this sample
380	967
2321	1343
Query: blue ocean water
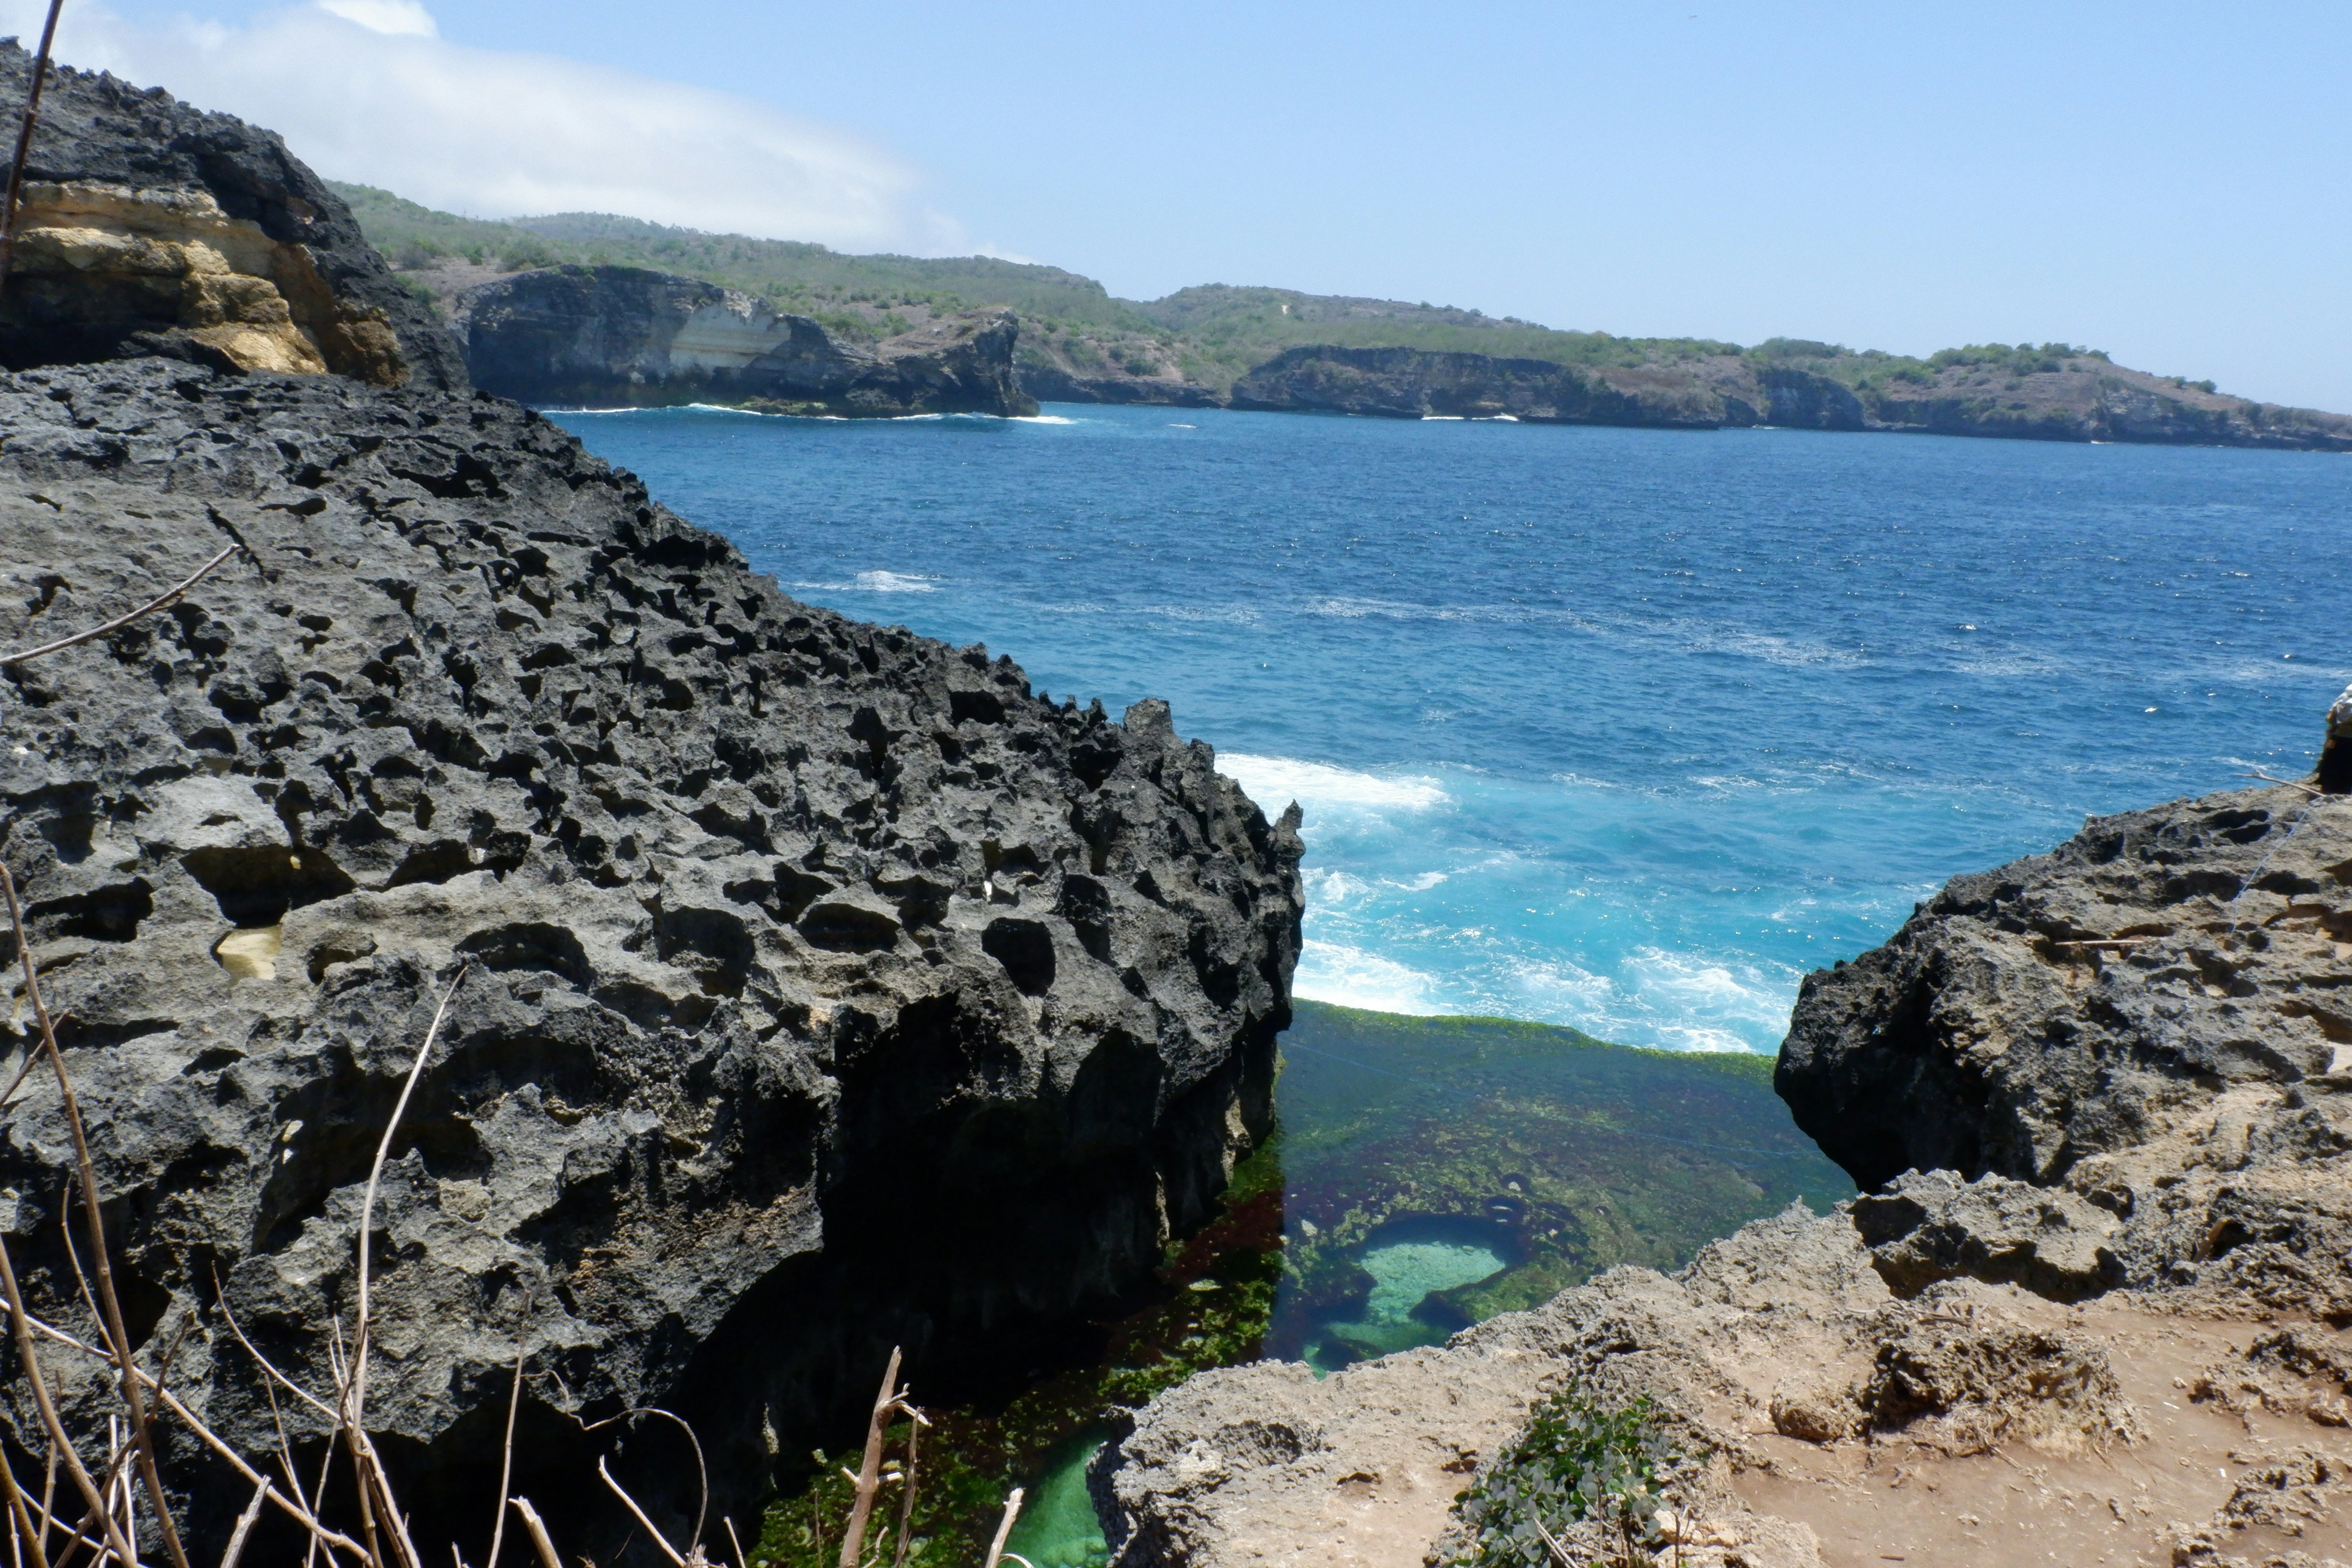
1620	729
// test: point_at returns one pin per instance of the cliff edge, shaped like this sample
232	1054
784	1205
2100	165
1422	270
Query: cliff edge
628	337
151	227
2098	1304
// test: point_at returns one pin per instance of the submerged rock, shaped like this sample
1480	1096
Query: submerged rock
628	337
826	988
151	227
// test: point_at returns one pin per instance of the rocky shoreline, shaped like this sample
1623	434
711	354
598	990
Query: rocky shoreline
2103	1100
818	988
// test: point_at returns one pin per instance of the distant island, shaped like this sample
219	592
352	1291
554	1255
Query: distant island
1259	348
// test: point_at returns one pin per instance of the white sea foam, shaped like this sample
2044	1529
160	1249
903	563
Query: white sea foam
1274	782
1350	977
1043	419
877	583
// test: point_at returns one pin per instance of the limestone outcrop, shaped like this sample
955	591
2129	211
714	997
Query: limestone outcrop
1417	383
151	227
629	337
2103	1097
826	987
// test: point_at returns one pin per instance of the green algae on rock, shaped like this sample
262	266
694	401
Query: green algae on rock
1560	1155
1425	1174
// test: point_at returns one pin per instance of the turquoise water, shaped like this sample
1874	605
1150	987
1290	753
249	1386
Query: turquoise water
1404	1275
1620	729
1057	1527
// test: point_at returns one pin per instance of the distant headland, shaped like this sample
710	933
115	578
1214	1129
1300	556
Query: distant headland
1217	345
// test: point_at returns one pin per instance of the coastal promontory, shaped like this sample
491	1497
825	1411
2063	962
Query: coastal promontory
628	337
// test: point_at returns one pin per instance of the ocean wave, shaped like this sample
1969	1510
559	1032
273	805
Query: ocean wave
877	583
1349	977
1043	419
1319	786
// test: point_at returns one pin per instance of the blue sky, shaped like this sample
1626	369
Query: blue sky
2168	183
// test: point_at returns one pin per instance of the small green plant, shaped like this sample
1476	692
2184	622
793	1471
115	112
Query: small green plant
1577	1461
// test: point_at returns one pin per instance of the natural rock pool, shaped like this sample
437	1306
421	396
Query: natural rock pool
1428	1173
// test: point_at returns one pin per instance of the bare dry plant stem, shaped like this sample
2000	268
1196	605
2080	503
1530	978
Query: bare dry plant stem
245	1526
915	1425
1004	1527
506	1459
25	141
869	1472
141	1434
531	1522
639	1514
119	622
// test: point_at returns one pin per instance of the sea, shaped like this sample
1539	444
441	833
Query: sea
1626	730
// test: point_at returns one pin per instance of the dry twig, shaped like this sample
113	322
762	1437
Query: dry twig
25	141
119	622
1004	1525
869	1479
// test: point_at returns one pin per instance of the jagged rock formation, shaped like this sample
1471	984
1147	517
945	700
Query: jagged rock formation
1415	384
828	989
2157	1017
149	228
2105	1097
628	337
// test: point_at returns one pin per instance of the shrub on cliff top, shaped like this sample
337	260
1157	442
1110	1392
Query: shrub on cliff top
1579	1461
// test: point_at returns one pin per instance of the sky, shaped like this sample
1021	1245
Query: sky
2169	183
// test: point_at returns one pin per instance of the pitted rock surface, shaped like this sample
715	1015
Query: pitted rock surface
149	227
828	988
2155	1019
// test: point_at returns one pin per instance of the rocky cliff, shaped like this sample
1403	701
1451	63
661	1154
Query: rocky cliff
628	337
2098	1305
2084	399
149	228
1413	384
826	987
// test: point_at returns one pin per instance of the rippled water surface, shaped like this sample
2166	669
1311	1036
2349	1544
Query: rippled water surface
1620	729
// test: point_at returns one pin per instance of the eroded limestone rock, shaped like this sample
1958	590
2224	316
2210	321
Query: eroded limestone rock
828	988
149	228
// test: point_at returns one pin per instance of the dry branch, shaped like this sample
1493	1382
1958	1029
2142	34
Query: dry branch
531	1521
869	1479
120	621
25	141
1004	1527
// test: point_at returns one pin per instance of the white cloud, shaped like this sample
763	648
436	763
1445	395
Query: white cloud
367	91
400	18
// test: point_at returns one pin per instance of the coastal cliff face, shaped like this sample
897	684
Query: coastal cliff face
826	987
2081	400
2104	1099
149	228
628	337
1413	384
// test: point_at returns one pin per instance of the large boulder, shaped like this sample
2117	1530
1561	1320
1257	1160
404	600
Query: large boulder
151	228
630	337
827	987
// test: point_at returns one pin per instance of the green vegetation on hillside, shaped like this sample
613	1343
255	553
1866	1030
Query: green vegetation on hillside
1208	336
